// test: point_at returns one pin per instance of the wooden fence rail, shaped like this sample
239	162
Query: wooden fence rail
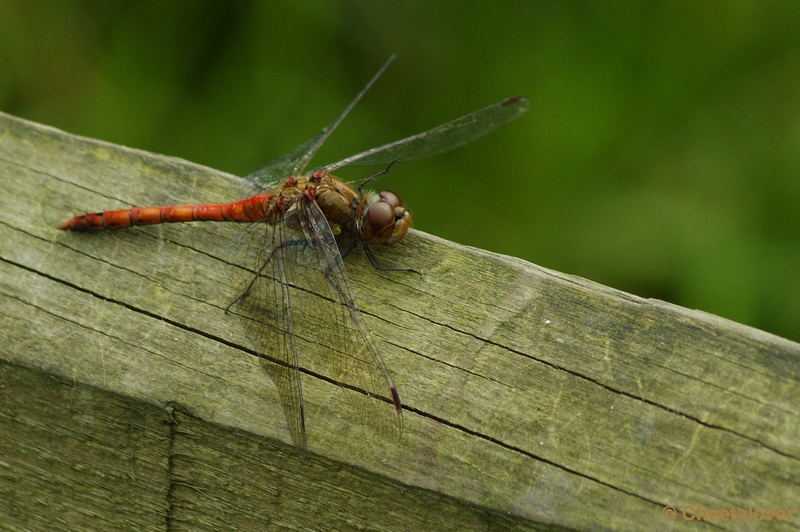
533	399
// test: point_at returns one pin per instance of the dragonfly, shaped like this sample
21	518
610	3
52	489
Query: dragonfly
295	300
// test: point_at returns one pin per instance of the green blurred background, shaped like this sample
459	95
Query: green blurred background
660	156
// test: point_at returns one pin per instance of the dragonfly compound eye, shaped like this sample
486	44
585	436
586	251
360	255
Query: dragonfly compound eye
391	198
386	221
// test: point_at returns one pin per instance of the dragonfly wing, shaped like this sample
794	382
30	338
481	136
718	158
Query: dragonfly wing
439	139
298	309
351	356
266	310
274	172
301	164
294	162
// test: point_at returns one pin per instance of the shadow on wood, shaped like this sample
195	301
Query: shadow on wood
531	397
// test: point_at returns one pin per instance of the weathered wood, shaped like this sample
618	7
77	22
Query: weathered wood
537	396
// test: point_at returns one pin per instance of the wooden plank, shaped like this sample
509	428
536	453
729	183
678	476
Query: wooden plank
72	462
274	485
527	392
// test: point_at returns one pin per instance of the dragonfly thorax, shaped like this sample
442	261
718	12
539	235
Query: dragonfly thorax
337	200
375	218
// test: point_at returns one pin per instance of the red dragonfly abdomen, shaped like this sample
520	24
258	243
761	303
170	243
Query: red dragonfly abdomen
249	210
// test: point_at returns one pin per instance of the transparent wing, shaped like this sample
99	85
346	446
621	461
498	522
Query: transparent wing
267	313
298	309
294	162
275	172
439	139
352	358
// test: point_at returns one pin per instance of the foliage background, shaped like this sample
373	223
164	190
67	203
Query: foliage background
661	154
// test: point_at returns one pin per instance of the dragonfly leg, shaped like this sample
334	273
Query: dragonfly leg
374	177
239	298
261	270
350	247
339	259
372	259
377	266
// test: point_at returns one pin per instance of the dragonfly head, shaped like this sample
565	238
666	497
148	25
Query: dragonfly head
385	220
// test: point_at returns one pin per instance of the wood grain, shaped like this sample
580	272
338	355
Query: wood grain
532	398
